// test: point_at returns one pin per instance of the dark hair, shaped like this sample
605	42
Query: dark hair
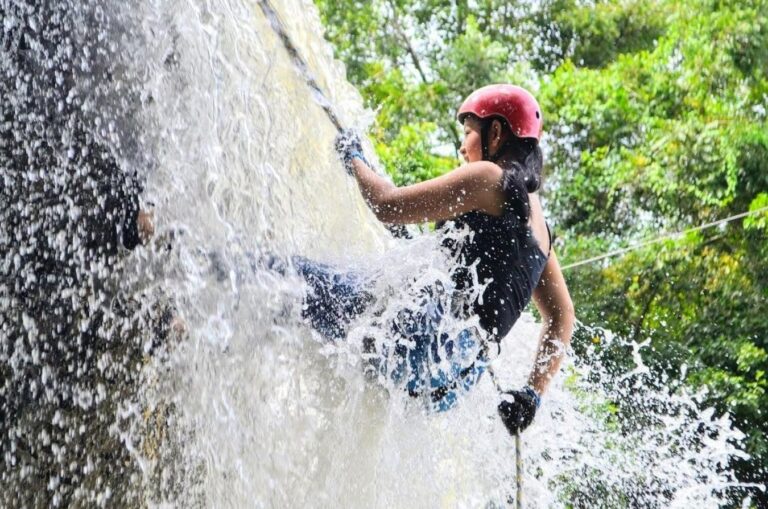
522	168
525	155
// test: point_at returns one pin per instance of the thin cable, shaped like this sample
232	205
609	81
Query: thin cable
655	240
492	372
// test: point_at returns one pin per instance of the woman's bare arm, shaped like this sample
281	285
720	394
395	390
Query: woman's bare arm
474	186
554	303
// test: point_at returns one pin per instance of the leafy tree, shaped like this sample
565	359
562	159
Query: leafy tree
655	120
662	139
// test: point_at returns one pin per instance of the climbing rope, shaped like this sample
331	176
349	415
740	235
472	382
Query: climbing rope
518	451
301	65
662	238
320	97
518	472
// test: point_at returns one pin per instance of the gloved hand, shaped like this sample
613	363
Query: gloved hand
518	408
349	147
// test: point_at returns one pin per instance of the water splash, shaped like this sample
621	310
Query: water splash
180	372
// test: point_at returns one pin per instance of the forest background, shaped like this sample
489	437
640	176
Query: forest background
655	122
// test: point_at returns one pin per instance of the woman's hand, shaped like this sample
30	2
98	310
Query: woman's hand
518	408
145	224
349	147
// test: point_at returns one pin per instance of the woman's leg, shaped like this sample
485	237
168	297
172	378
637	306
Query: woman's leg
430	363
335	297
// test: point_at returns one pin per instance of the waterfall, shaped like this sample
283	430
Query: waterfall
179	372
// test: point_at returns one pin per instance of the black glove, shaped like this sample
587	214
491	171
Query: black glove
349	147
518	408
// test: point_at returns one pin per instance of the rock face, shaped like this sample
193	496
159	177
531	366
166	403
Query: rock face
71	340
99	102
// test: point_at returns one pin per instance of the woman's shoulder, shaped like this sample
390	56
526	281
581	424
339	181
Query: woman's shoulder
487	183
485	170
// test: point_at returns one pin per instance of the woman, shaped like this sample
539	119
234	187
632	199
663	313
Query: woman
493	195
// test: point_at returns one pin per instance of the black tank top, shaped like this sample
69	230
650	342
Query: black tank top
508	259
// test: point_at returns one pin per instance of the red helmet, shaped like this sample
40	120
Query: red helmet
514	104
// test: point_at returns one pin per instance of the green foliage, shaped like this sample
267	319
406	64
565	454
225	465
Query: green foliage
655	121
594	34
410	80
759	219
662	139
407	157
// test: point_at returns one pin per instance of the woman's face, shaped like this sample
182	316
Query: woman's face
471	148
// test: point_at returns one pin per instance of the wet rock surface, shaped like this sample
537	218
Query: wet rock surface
71	338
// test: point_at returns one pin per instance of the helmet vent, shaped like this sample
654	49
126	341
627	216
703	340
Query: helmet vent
537	115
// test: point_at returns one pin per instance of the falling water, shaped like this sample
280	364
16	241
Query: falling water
179	372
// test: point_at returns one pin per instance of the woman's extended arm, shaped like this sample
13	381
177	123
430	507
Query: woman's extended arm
554	303
474	186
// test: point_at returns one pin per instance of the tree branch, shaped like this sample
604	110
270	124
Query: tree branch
417	63
407	42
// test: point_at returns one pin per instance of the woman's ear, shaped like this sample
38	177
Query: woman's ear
496	129
495	136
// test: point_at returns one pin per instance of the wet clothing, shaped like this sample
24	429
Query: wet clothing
508	263
507	259
419	357
336	298
426	360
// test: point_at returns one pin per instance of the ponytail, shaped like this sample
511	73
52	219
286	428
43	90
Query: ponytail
522	169
532	164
